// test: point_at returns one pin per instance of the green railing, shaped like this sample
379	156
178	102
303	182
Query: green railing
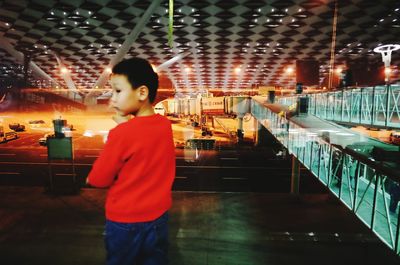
379	105
364	186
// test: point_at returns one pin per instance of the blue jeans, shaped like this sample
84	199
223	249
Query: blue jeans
144	243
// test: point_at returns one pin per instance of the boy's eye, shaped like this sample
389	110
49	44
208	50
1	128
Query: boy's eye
117	91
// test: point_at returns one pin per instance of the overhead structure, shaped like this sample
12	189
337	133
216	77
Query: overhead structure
333	46
4	44
123	50
171	61
386	52
65	73
90	35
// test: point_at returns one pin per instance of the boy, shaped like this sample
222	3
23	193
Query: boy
138	165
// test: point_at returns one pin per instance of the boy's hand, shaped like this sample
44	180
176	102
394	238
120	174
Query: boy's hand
118	118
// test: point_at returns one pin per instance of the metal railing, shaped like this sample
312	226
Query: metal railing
369	106
365	186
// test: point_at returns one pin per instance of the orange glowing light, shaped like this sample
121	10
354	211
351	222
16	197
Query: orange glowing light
238	70
64	70
388	70
289	70
339	70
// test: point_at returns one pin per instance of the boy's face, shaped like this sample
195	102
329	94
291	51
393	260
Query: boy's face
125	100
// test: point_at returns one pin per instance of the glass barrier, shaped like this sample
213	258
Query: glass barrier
372	196
380	106
366	183
355	106
368	106
393	106
346	105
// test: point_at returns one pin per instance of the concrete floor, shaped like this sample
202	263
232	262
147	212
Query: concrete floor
205	228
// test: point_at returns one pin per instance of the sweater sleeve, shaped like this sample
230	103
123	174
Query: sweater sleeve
108	164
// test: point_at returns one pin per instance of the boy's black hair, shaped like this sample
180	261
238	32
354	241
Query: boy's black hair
139	72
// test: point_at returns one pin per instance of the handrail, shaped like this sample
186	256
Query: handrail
365	186
377	106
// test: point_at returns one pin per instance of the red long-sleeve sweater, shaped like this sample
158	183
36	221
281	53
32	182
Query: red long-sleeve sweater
138	165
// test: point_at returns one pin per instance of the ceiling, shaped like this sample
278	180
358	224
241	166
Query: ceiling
231	45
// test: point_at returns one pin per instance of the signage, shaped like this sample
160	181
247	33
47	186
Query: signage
214	105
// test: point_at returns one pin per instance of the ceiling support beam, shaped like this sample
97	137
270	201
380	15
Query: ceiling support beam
20	58
173	60
124	49
165	66
65	75
333	47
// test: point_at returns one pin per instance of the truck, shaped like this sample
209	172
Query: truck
7	136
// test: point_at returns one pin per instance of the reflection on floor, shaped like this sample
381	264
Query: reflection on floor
205	228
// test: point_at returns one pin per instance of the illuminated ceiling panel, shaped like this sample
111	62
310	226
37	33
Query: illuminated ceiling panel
261	39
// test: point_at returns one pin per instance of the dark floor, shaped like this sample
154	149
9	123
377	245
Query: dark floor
205	228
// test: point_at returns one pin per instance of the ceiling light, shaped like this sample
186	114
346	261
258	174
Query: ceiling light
289	70
272	24
301	14
277	14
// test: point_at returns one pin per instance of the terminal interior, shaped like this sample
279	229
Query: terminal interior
285	117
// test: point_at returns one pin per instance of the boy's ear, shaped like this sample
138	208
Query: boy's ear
143	92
